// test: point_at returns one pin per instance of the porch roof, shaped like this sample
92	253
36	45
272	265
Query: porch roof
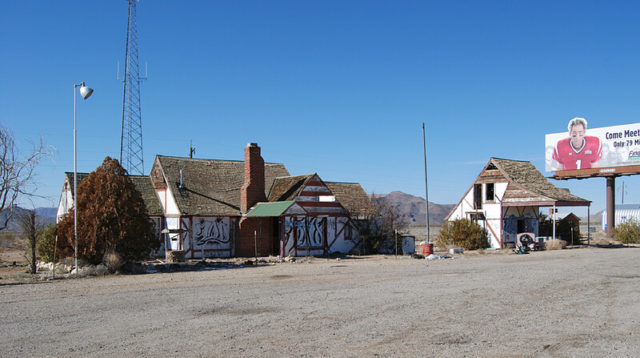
273	209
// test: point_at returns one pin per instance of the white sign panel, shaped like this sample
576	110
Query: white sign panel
583	148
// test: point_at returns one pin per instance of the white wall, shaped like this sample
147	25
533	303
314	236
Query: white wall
490	209
168	202
66	202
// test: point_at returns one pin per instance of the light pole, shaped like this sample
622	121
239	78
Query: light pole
85	92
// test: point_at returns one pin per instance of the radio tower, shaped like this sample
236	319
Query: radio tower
131	139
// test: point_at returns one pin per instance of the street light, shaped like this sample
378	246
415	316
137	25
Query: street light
85	92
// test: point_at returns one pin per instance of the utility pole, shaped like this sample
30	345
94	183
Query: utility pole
426	186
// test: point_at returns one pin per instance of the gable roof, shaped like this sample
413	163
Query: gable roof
527	186
287	188
79	176
142	184
210	186
353	198
525	175
350	195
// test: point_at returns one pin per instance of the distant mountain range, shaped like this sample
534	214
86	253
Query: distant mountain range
413	209
45	216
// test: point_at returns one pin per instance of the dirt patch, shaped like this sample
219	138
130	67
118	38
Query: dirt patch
563	303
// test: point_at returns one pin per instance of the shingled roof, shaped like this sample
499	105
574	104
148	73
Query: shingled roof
353	198
142	183
79	176
350	195
287	188
151	201
527	177
210	186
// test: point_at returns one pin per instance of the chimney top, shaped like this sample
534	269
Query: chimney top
252	144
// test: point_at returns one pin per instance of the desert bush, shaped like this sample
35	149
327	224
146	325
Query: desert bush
628	232
112	261
555	244
463	233
45	243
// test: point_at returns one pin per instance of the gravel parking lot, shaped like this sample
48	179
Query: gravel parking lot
568	303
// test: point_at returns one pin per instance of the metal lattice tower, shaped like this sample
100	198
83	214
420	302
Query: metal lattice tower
131	140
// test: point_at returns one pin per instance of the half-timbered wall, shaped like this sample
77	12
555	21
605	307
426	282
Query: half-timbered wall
211	236
325	229
488	216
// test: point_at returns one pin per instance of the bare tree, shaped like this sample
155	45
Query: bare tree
382	225
30	229
17	173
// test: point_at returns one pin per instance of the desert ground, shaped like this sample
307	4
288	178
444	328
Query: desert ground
566	303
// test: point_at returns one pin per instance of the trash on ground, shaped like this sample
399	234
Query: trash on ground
436	257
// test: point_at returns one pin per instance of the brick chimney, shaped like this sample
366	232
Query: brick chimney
252	190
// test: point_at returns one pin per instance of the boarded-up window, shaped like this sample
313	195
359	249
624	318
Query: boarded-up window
477	196
489	192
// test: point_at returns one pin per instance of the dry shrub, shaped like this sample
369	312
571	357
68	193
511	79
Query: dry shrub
555	244
627	232
463	233
112	261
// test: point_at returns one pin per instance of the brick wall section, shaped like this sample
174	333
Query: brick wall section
252	190
246	243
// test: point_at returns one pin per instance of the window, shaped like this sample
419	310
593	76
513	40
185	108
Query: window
477	196
488	194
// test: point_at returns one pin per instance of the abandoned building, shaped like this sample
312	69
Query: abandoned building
506	198
227	208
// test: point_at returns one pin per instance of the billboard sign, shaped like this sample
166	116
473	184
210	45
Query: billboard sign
583	148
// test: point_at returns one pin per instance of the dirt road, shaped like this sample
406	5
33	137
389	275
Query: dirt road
569	303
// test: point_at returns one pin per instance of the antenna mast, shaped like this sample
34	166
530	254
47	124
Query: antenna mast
131	157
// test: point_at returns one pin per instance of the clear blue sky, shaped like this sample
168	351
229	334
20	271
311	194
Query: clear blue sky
340	88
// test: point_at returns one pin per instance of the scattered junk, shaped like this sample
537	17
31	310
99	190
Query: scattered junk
427	248
408	245
526	243
456	250
175	256
436	257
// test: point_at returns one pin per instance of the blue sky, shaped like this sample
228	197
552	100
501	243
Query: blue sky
340	88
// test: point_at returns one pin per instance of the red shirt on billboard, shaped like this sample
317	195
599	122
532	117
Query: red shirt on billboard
571	158
578	151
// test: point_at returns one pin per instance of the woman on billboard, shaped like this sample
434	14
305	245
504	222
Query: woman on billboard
579	151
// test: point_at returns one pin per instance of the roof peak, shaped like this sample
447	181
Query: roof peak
512	160
206	160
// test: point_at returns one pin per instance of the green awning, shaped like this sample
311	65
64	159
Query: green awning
270	209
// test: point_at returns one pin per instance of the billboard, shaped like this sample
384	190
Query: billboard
582	148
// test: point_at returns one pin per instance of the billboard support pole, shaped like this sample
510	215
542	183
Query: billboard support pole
611	204
554	220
